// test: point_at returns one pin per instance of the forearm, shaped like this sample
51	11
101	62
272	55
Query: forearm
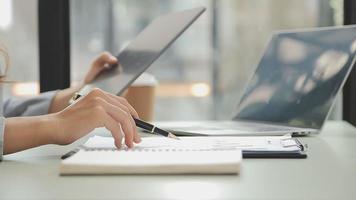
61	99
27	132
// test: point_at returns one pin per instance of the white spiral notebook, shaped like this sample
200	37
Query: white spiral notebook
154	155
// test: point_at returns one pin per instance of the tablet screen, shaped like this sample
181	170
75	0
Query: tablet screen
145	49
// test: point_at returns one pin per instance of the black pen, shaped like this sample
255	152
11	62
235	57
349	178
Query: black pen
139	123
153	129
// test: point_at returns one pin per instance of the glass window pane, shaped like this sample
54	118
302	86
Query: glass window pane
18	33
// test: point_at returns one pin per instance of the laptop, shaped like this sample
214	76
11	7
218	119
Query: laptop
293	88
142	51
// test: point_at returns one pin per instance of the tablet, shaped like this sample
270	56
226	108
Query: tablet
143	51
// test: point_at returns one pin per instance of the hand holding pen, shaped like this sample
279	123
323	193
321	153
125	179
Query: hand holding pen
94	110
115	106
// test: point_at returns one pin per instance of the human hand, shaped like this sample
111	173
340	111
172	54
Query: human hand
60	101
97	109
102	62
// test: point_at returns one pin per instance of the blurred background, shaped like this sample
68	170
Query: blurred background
201	76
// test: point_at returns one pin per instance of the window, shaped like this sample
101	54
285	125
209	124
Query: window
18	33
209	65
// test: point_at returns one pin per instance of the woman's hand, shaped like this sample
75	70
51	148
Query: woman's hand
102	62
97	109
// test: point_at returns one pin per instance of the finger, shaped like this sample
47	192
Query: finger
136	136
114	128
117	101
124	119
121	117
114	100
109	99
133	112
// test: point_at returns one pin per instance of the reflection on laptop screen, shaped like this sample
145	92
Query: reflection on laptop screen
299	76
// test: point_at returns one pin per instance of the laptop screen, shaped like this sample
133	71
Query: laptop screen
299	76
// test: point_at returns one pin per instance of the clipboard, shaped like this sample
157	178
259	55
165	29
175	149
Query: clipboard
301	153
286	141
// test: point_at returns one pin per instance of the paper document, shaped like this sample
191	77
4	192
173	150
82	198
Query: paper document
257	143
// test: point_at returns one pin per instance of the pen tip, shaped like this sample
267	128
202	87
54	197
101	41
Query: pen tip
171	135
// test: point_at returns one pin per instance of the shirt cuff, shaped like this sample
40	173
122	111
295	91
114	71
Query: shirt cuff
41	107
38	105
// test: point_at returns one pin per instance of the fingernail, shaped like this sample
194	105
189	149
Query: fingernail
118	145
129	146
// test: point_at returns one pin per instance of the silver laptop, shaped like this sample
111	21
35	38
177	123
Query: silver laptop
293	88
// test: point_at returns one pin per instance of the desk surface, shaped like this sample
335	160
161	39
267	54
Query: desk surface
329	172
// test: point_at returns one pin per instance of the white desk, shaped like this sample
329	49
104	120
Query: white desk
329	172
